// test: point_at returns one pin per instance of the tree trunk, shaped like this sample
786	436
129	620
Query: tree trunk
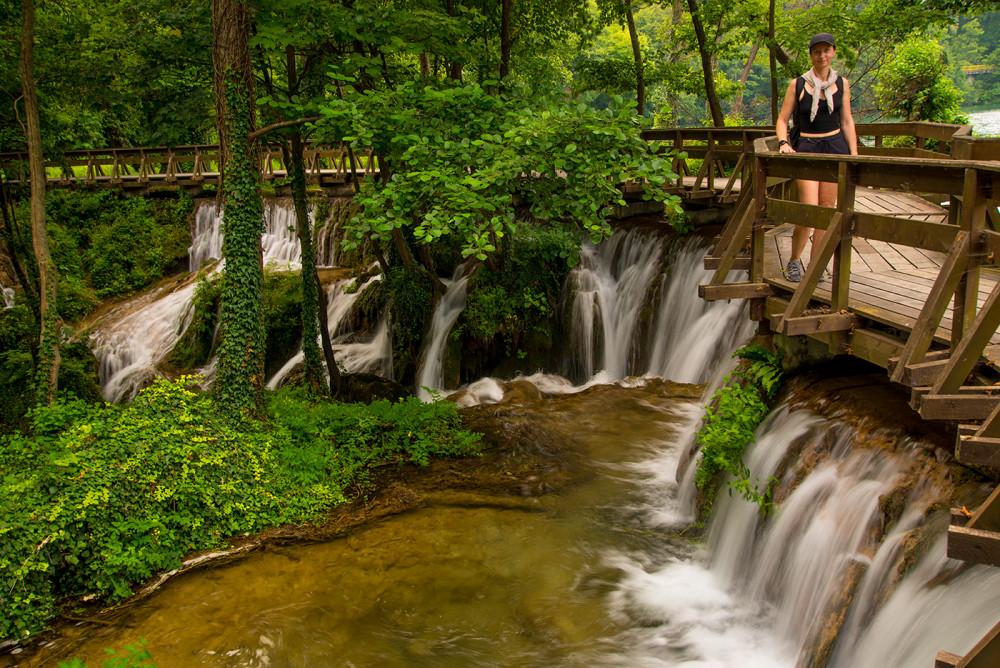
738	103
640	83
454	67
47	368
772	46
240	380
706	66
505	12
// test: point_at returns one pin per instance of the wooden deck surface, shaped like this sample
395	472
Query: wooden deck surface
889	283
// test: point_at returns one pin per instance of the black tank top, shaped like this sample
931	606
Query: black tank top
825	121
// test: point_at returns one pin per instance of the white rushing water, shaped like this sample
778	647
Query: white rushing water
353	355
132	339
758	591
8	296
985	123
612	286
446	312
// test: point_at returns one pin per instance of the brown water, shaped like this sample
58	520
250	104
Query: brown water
469	579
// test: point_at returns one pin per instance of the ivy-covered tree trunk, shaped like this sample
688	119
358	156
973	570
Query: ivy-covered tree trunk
240	379
47	367
310	280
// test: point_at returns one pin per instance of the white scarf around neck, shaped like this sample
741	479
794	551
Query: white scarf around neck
820	89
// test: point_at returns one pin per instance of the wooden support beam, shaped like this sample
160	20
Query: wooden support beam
923	374
946	659
932	356
815	324
710	292
987	516
937	302
985	653
991	425
975	546
978	451
817	265
971	347
955	406
740	263
735	243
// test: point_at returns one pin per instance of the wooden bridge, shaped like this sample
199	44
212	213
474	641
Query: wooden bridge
914	248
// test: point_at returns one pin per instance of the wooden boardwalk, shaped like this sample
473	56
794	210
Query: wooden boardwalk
889	282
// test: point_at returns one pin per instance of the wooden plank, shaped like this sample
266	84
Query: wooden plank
930	316
817	265
974	546
923	374
971	347
735	243
956	406
747	290
815	324
985	653
946	659
740	263
987	516
978	450
795	213
905	232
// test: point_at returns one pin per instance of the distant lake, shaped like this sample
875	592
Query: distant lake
985	123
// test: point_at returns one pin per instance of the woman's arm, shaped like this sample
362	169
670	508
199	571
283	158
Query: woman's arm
847	120
781	128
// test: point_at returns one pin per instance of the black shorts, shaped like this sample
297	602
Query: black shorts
835	144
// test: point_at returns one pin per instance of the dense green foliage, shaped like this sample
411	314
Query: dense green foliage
915	84
106	246
510	310
131	656
77	370
98	498
732	417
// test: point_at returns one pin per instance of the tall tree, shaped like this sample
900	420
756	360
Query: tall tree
47	370
240	379
640	84
705	51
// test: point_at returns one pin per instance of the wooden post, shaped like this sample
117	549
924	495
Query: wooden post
972	219
760	217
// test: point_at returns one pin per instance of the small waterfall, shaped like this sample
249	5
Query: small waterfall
431	374
279	241
8	296
139	335
374	356
685	338
820	579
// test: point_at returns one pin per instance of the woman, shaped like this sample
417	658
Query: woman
824	117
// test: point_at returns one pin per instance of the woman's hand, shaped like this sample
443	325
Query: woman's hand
786	148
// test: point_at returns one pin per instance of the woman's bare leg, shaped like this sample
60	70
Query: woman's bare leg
827	196
808	194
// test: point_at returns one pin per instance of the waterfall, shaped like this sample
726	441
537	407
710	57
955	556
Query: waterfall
685	338
135	336
373	356
431	374
820	578
279	241
8	296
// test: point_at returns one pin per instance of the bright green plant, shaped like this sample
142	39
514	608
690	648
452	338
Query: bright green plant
732	417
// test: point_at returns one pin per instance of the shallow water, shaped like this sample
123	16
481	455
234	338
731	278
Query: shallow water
466	580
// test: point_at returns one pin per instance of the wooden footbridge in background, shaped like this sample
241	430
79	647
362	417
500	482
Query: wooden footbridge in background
913	254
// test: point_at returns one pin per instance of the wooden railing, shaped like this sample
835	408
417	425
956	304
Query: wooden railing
180	166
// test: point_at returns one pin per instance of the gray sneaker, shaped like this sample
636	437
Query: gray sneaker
793	270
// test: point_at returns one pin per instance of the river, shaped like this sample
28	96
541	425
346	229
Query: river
985	123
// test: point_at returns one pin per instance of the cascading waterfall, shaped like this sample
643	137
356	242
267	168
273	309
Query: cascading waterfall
8	296
612	288
127	360
134	337
373	356
774	591
445	314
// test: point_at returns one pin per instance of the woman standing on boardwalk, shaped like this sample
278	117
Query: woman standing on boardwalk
820	101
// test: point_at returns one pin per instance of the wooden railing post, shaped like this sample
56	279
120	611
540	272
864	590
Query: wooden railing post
972	219
846	187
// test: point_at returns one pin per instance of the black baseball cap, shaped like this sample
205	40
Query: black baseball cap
822	38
